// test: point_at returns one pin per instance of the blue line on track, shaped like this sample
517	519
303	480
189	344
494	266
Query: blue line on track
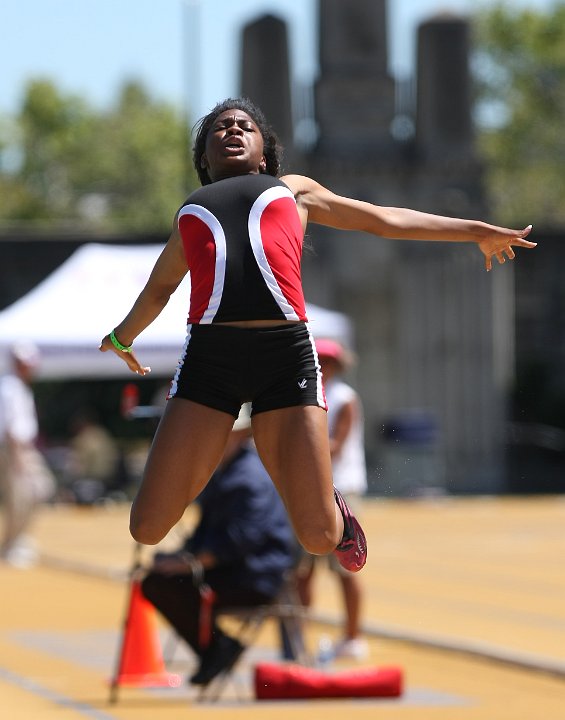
43	692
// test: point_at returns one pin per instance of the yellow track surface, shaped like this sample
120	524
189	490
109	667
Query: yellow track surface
467	596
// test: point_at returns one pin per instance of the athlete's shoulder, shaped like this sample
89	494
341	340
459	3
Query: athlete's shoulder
257	182
299	184
233	187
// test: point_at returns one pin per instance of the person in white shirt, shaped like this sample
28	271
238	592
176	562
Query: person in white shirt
346	431
25	479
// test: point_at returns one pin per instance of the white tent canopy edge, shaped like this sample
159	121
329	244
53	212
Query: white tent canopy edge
68	313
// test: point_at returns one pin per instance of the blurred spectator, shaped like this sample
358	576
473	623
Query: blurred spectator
345	427
93	459
241	549
25	479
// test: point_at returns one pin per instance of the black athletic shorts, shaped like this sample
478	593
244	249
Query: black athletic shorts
223	367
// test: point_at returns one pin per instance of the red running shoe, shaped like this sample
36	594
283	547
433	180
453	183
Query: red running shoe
351	553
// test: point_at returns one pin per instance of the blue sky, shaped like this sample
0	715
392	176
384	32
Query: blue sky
184	51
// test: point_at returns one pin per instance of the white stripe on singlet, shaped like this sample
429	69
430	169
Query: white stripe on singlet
213	224
254	226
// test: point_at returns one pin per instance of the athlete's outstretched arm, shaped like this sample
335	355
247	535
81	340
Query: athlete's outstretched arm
166	276
319	205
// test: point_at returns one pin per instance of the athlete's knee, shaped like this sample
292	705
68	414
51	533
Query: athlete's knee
146	535
316	541
144	529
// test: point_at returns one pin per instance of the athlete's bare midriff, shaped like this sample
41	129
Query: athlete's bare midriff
259	323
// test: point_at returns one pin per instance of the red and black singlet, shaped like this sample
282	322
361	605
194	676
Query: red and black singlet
242	238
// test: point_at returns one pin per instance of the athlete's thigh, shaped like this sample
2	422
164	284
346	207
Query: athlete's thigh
187	448
294	446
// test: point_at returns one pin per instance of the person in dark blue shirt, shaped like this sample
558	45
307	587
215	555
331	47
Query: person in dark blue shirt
241	548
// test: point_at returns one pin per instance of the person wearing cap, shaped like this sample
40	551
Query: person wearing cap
241	548
345	428
25	479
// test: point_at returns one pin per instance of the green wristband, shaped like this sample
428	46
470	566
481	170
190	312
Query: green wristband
118	345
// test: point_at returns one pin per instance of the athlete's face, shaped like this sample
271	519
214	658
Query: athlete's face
234	146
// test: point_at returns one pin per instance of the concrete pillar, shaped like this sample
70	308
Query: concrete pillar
443	125
265	73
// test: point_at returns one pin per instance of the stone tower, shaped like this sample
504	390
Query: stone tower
430	323
354	94
433	330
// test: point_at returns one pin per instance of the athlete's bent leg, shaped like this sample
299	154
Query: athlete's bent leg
188	445
294	446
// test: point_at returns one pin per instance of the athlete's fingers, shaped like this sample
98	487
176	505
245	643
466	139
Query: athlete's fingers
526	231
134	364
128	357
519	242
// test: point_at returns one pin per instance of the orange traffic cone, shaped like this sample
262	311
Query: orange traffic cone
141	660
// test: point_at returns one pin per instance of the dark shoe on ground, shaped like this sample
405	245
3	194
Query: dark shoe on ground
351	553
218	658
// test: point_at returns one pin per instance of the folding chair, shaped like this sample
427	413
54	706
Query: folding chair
286	609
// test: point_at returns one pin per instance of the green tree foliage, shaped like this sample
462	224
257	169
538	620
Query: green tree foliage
126	169
520	66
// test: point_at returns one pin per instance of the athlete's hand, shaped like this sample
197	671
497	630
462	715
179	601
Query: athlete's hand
128	357
499	242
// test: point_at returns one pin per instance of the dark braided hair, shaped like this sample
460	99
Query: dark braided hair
272	149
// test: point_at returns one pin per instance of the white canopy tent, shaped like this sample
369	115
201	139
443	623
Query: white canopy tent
68	313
